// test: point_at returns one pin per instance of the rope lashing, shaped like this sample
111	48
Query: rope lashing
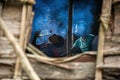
105	21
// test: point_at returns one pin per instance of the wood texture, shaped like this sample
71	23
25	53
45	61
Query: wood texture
12	21
24	61
17	74
0	9
105	17
80	71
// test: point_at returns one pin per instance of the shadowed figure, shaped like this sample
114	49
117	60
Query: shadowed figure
53	48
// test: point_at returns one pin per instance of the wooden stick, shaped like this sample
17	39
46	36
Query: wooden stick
50	63
28	25
20	53
98	75
109	52
106	12
23	25
17	73
41	57
36	50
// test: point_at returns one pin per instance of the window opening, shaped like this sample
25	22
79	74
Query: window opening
73	25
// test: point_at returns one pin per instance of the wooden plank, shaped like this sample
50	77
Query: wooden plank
112	61
4	46
8	61
4	39
6	51
117	20
14	28
14	14
81	71
6	71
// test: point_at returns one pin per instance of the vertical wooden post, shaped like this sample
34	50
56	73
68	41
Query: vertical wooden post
105	17
98	75
17	74
69	34
28	24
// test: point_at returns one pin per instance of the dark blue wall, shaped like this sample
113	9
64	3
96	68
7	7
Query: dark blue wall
52	16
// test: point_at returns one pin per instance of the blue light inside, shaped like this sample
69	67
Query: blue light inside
83	16
51	16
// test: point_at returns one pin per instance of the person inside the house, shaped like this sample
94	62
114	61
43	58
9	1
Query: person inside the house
52	48
87	42
84	42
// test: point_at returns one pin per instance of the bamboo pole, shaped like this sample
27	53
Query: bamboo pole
20	53
17	73
28	25
106	12
98	75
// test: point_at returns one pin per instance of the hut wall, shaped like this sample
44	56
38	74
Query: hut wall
11	13
12	17
117	20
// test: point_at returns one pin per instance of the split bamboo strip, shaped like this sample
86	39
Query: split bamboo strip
23	59
17	74
106	12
